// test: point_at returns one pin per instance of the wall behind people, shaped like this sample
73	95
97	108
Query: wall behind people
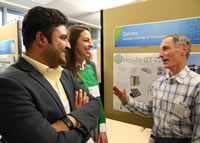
142	12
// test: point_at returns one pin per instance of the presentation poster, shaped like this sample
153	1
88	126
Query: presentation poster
136	73
194	62
151	34
5	61
8	47
94	53
96	45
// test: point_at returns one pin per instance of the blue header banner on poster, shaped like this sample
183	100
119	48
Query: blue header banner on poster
7	47
96	45
151	34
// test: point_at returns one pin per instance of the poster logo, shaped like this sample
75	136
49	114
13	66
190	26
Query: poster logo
118	59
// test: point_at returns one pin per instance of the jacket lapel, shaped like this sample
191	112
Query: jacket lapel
66	85
23	64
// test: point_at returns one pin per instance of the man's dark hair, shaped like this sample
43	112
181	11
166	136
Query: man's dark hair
40	19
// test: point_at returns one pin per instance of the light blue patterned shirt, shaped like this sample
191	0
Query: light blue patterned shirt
174	104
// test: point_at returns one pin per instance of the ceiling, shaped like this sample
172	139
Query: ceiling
78	11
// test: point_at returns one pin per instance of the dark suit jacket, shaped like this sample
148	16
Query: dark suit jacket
29	105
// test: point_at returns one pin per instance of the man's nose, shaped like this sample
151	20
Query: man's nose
68	44
161	54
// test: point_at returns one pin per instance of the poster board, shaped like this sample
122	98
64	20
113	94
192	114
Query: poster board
137	13
96	57
11	37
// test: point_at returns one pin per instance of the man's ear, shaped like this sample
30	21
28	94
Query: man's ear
185	50
40	39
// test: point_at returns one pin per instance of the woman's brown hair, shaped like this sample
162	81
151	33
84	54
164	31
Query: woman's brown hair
73	33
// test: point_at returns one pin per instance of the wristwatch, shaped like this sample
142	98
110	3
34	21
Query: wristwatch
67	121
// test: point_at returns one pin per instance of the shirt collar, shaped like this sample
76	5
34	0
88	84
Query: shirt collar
179	77
83	66
44	69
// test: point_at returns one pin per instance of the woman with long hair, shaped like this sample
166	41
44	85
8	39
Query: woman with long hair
78	61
